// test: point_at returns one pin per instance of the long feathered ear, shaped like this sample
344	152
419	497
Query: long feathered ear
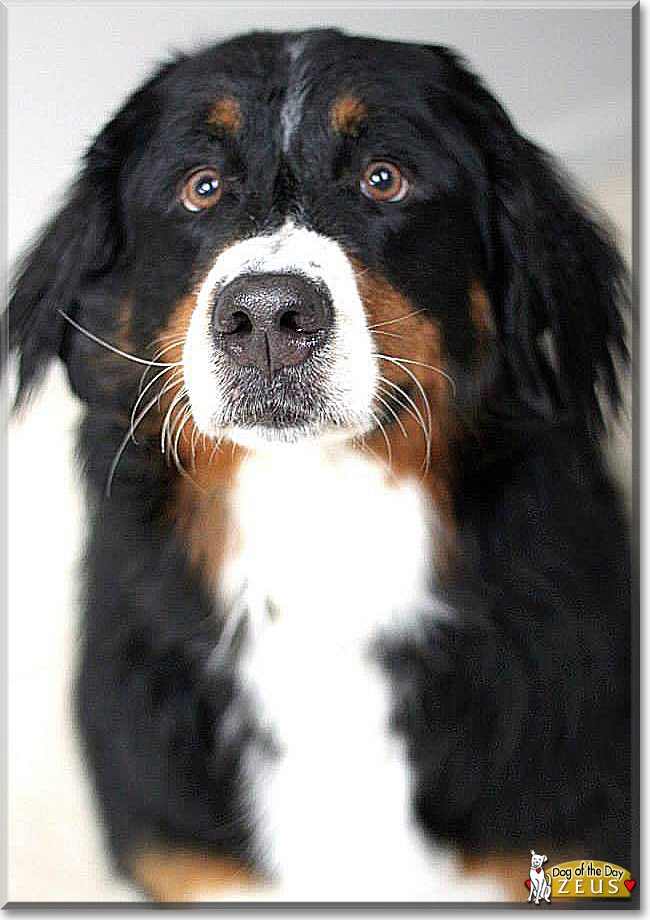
79	245
558	286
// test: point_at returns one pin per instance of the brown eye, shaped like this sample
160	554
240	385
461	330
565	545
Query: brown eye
384	182
201	189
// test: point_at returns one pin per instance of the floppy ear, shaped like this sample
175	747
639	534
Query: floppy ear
79	245
558	285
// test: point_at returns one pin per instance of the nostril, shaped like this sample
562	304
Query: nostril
271	320
236	322
241	323
290	321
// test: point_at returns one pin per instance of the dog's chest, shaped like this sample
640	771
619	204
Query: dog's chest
326	543
328	555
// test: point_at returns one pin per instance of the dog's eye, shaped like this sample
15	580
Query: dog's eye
201	189
384	182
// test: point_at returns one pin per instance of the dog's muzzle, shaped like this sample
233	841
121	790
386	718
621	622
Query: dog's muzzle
271	320
278	347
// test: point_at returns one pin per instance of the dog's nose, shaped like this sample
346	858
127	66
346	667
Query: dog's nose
271	320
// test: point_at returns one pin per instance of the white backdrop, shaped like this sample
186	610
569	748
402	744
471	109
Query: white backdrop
566	77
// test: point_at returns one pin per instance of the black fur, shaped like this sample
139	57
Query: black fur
528	700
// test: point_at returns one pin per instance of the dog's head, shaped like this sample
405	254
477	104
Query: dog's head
321	235
536	860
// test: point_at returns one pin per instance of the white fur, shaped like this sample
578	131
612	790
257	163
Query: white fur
348	356
292	109
328	553
291	115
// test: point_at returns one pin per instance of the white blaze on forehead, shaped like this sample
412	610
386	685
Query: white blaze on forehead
351	368
291	112
291	115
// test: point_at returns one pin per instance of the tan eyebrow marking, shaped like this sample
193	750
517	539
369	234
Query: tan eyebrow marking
347	114
226	115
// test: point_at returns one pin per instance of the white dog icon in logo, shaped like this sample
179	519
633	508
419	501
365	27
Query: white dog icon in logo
540	884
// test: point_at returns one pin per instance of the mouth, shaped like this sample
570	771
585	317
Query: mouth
296	403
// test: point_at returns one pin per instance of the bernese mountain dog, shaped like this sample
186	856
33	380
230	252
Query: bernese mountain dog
357	588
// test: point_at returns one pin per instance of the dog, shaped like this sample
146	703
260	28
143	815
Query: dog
540	886
357	587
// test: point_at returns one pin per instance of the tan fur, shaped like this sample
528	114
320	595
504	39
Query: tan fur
226	115
200	507
176	875
481	311
181	875
401	332
347	114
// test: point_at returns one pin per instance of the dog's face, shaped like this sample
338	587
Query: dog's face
321	237
536	860
306	238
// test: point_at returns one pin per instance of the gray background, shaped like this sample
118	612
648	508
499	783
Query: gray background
566	77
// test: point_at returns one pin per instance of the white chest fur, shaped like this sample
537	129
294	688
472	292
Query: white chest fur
329	554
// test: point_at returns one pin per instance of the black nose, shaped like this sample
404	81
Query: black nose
271	320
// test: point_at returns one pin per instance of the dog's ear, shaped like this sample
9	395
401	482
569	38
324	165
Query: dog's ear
79	243
558	287
78	247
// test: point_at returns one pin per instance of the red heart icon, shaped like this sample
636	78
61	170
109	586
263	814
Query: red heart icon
629	884
527	883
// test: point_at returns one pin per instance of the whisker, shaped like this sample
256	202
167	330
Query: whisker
414	411
394	335
417	415
167	336
177	341
431	367
165	431
117	351
388	322
218	445
424	398
184	419
173	344
360	440
393	413
172	430
195	434
386	438
129	435
177	376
